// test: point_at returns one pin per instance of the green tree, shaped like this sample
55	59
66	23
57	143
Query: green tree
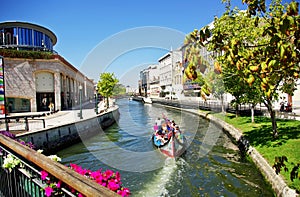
214	83
119	90
196	66
106	85
261	47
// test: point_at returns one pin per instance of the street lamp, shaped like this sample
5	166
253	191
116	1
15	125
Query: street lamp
80	101
96	100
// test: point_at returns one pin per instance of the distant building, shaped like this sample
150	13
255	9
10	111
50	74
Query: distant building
144	82
154	81
170	73
35	75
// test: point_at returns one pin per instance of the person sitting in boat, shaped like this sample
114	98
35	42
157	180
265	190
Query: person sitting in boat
173	124
160	137
158	122
155	127
164	127
158	132
177	132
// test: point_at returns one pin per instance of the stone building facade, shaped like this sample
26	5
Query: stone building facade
32	82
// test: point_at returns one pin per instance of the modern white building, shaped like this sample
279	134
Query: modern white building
154	86
170	73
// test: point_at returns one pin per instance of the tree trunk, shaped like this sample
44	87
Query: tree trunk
274	124
273	118
107	102
252	113
236	110
222	103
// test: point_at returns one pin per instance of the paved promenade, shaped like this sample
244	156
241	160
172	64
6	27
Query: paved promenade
70	116
51	120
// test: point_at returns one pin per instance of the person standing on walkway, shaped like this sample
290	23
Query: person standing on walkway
51	107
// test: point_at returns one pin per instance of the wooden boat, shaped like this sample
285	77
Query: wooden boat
175	146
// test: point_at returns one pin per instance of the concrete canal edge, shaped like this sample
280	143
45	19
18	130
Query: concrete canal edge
277	182
55	138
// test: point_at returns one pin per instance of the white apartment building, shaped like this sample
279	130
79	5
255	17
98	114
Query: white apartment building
170	73
154	85
149	81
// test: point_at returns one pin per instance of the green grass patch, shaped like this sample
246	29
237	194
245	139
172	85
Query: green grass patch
260	136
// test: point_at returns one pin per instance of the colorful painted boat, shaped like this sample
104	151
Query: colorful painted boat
175	146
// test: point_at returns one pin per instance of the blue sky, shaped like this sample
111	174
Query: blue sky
84	26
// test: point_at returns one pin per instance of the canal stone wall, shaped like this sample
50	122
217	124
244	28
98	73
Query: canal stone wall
276	180
58	137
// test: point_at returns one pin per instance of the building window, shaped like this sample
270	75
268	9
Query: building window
1	37
8	38
18	105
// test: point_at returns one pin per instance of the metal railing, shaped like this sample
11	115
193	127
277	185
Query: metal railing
23	181
21	123
215	106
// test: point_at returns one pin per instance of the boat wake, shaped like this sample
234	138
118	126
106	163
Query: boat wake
157	187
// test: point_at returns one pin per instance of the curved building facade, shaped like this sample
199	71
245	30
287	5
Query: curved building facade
22	35
34	81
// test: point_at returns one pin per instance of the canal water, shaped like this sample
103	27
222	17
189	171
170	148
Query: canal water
211	166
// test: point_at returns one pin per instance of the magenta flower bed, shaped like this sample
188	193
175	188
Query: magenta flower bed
108	178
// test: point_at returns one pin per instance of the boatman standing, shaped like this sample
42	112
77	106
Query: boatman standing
158	122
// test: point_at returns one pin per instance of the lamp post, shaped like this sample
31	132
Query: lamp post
80	101
96	101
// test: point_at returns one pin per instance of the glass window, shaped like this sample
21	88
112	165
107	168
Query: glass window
24	36
20	38
7	38
15	37
1	36
34	37
29	33
19	105
8	33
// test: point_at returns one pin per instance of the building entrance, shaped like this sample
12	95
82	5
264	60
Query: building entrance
43	101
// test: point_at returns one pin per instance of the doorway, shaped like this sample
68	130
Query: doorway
43	101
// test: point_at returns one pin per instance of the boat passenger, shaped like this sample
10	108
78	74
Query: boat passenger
177	132
161	139
164	127
173	124
159	132
155	127
158	122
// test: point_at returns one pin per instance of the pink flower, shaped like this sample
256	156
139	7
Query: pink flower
44	174
75	167
107	174
112	185
109	179
48	191
96	175
80	195
124	192
58	184
118	176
